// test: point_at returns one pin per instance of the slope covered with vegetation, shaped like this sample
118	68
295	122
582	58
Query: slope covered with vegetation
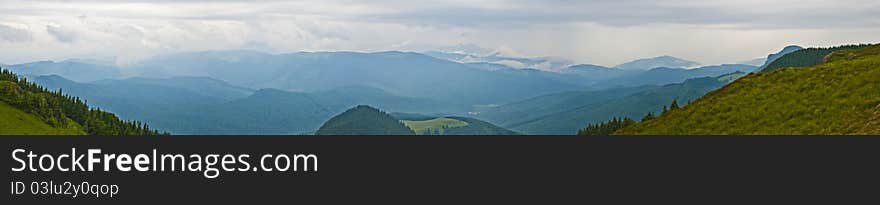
807	57
433	126
363	120
60	111
16	122
841	96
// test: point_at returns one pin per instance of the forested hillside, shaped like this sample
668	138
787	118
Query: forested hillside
806	57
363	120
62	111
841	96
16	122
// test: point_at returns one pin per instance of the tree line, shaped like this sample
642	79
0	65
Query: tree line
609	127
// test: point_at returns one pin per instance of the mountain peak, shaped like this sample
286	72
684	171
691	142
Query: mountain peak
363	120
790	47
773	56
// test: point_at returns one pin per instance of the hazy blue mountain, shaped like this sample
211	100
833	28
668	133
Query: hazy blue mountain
540	63
660	61
595	73
239	67
190	105
76	70
134	101
773	56
273	111
567	112
400	73
663	75
576	81
267	111
568	75
344	97
201	85
538	108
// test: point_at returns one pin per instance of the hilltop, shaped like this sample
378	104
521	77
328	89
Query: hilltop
363	120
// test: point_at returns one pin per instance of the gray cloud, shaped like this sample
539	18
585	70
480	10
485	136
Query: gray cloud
590	31
62	34
511	13
11	34
748	14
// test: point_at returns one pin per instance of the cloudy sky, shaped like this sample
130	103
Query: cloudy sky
605	32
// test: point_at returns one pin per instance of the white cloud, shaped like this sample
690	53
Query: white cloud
14	35
62	34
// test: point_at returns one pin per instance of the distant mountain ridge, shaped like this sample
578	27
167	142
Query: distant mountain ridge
664	75
401	73
29	108
227	109
72	69
566	113
660	61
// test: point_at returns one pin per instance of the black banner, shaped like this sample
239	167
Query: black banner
453	169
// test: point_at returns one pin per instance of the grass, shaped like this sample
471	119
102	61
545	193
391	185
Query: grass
17	122
434	124
838	97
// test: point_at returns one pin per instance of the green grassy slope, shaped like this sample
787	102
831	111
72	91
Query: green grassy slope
454	126
17	122
477	127
363	120
838	97
432	125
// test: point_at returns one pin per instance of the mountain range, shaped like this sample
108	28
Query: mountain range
248	92
399	73
656	62
226	109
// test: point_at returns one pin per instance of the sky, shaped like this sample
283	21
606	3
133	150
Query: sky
603	32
